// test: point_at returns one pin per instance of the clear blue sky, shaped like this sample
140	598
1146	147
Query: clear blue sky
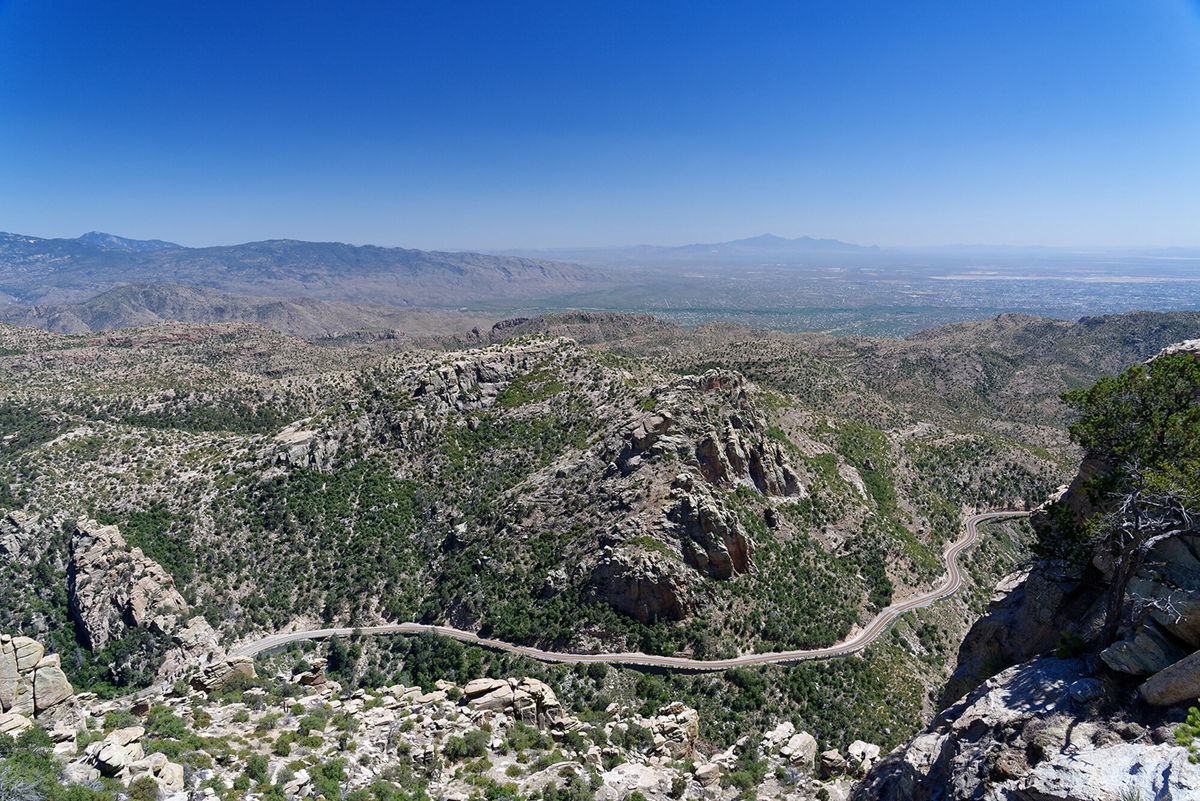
436	123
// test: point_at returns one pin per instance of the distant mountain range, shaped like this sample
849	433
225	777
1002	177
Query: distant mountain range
56	271
769	247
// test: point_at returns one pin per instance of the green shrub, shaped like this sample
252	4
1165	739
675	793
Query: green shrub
143	788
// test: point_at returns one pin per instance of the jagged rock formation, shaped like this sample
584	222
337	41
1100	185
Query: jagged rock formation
674	731
1030	611
712	539
33	686
527	700
112	587
19	535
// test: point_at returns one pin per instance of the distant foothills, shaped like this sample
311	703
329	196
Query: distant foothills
101	281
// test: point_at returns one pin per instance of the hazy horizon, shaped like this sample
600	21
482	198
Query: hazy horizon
915	248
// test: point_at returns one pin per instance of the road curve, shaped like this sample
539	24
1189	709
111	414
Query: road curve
949	585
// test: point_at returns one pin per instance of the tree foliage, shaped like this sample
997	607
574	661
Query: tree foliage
1144	424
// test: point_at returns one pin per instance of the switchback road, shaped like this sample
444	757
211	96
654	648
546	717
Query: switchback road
949	585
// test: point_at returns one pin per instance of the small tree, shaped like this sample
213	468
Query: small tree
1152	509
1145	425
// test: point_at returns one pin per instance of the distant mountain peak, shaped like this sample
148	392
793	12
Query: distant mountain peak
114	242
762	239
774	242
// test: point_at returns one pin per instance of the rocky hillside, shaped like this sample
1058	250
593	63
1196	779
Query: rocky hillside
1002	375
464	489
176	489
1102	638
136	305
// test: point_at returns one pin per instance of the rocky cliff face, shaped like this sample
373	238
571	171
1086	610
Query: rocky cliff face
112	588
644	583
1046	730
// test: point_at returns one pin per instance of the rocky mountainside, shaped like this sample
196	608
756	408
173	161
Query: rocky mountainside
1002	375
1102	638
535	490
57	271
482	472
176	489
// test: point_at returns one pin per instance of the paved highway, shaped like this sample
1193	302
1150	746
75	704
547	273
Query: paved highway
949	585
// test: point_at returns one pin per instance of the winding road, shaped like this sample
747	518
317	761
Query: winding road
949	585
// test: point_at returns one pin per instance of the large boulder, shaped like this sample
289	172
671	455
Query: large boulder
9	675
1174	684
801	751
1147	650
33	685
50	684
219	674
489	694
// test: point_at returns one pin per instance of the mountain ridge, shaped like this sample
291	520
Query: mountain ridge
114	242
54	271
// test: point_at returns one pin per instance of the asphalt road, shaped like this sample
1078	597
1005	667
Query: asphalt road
949	585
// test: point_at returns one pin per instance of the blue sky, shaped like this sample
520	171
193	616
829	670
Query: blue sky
444	124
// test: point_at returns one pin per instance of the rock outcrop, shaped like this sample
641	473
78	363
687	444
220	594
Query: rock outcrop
219	674
1029	734
32	686
1175	684
527	700
675	730
112	587
643	583
712	539
20	538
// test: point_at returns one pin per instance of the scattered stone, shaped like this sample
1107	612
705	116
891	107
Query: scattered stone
801	750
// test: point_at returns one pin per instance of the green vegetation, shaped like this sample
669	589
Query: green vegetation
1187	734
29	772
